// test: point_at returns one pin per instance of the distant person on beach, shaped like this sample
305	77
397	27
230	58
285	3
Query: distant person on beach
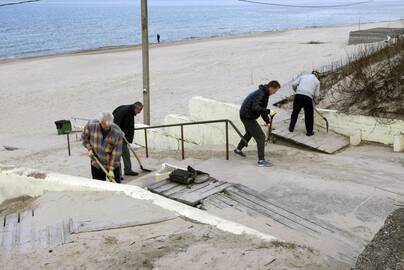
103	140
158	38
124	117
307	88
254	106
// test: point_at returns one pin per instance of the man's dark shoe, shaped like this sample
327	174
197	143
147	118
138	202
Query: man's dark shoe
309	134
131	173
239	152
290	130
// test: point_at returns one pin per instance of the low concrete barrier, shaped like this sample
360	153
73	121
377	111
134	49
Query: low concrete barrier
371	129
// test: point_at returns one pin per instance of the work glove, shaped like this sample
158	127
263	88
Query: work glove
91	153
110	175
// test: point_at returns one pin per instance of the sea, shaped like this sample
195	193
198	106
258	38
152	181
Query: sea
60	26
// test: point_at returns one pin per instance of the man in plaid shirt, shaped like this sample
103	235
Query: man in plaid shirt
103	139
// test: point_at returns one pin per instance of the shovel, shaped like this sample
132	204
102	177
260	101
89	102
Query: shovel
270	137
322	116
112	180
136	156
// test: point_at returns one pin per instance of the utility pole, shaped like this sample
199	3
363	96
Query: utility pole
145	61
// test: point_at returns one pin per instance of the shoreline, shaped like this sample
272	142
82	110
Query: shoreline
124	48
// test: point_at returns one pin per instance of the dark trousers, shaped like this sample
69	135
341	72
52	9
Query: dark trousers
302	101
253	129
127	165
99	174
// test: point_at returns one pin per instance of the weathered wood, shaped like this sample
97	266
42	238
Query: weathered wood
169	185
191	188
193	198
158	184
94	226
322	141
27	234
178	188
257	209
282	214
9	235
281	209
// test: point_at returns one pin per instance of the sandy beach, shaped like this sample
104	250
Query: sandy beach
351	191
37	91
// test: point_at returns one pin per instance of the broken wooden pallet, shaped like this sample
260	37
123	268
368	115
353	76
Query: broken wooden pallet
19	231
322	141
189	194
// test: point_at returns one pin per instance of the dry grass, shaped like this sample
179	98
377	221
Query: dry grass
371	83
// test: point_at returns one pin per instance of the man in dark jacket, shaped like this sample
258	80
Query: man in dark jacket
124	117
254	106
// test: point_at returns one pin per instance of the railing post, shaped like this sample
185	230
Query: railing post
227	140
182	142
145	143
68	144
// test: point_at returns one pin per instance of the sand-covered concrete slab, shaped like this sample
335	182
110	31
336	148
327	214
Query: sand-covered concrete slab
174	244
352	193
51	219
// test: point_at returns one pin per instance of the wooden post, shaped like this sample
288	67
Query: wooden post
145	60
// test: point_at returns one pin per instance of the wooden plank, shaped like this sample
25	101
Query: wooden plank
165	187
27	236
245	191
158	184
191	188
229	202
281	213
195	197
9	235
178	188
94	226
325	142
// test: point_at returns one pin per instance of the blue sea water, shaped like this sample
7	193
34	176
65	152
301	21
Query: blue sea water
57	26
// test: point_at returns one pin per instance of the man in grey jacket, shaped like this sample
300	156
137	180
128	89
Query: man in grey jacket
307	88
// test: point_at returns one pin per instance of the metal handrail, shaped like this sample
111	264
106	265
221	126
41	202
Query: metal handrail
181	125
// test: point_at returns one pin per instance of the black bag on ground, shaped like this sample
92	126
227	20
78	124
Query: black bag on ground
189	176
182	177
199	176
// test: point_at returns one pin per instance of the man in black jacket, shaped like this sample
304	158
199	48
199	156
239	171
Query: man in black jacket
124	117
254	106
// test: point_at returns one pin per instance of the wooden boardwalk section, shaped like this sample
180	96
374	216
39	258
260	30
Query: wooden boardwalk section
322	141
188	194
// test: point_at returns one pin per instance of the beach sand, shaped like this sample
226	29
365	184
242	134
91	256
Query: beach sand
38	91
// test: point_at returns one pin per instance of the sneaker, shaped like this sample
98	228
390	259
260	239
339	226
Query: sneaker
309	134
264	163
290	130
239	152
131	173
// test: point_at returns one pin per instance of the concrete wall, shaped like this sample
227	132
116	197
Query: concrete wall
200	109
161	139
371	129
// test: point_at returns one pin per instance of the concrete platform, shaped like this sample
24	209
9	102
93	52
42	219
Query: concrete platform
374	35
350	194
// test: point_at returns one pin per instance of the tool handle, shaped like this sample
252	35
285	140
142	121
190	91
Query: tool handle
133	152
103	168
